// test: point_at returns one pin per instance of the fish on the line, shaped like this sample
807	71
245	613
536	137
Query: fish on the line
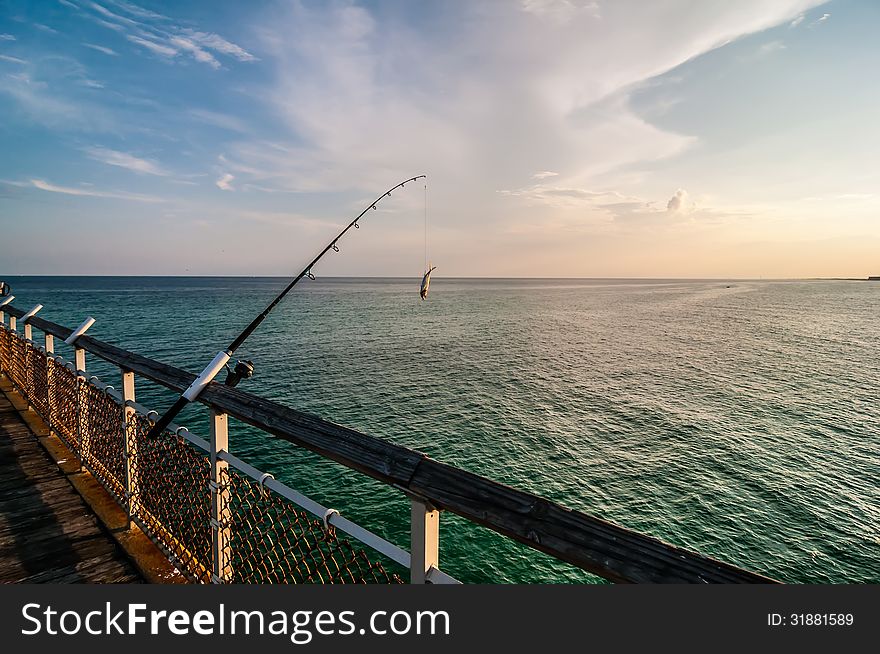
426	283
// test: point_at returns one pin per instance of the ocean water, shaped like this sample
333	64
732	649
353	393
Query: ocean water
740	419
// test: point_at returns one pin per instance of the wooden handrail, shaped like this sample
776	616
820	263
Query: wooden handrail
588	542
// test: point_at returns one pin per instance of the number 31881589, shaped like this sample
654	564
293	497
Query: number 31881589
810	619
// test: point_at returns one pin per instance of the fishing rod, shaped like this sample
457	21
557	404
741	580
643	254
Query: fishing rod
245	369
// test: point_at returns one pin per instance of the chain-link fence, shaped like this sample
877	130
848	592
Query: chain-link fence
213	521
172	498
273	541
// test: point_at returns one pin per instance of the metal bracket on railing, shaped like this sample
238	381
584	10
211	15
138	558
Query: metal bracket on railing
216	525
327	514
30	314
154	413
79	331
6	300
216	486
180	429
266	475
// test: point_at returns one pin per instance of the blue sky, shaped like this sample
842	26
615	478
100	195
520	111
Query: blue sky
561	137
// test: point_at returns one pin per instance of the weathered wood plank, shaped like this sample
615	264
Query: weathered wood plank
47	533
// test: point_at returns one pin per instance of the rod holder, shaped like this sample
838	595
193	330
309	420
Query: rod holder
207	375
8	299
79	331
30	314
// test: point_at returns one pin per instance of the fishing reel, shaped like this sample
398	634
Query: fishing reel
4	289
242	370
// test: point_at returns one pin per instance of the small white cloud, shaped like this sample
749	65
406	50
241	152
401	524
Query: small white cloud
819	20
45	28
224	182
797	21
7	37
13	60
125	160
544	174
679	203
101	48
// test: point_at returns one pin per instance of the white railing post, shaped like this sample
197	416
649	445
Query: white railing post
12	324
220	514
129	445
82	410
424	540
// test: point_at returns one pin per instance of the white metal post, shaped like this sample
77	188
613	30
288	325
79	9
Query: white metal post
129	445
220	513
28	336
425	540
82	410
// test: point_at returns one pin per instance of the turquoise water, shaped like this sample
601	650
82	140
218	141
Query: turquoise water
738	418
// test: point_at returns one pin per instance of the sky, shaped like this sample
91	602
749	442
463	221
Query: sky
561	138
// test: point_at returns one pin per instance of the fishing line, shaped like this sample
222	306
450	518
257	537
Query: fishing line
426	223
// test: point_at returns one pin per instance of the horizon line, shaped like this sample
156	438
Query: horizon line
743	279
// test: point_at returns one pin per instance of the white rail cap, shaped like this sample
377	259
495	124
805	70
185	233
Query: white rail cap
30	314
6	300
79	331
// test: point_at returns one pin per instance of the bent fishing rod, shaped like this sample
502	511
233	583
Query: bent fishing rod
223	357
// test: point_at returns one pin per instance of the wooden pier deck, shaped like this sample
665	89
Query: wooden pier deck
47	532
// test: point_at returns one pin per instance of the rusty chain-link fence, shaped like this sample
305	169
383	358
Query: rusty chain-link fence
250	534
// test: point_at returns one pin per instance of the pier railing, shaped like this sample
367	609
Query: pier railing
221	520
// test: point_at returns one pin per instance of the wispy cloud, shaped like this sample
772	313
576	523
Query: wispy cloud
45	28
135	10
158	33
45	105
152	46
224	183
767	49
219	44
126	160
198	53
101	48
13	60
797	21
217	119
544	174
43	185
7	37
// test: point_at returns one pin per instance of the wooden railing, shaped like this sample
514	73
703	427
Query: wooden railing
585	541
